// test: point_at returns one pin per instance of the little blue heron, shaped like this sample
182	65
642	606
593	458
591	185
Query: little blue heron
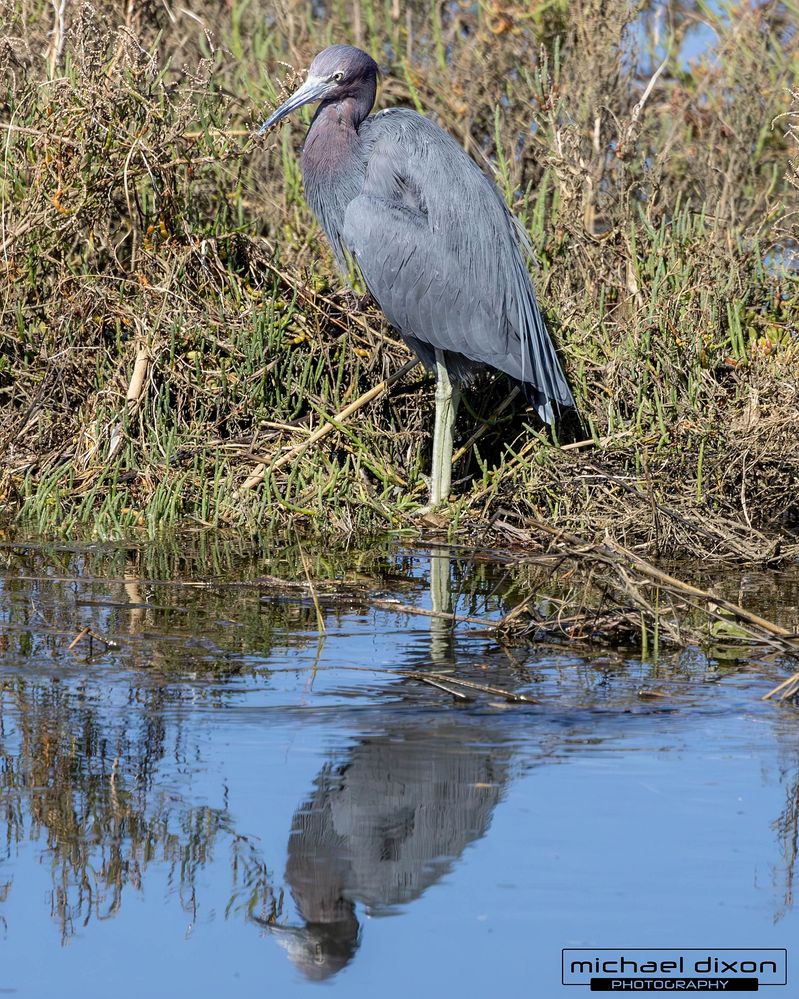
432	238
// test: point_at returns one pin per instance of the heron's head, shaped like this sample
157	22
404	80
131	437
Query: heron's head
338	72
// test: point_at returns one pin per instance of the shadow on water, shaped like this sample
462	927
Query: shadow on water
127	766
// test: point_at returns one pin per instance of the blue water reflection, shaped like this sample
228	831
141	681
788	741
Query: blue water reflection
223	803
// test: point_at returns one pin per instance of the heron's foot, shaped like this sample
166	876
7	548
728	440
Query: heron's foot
433	516
433	513
426	510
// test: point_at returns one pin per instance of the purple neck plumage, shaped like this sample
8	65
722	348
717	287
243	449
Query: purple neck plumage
332	163
334	129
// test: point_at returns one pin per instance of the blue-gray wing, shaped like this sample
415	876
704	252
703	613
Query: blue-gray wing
444	258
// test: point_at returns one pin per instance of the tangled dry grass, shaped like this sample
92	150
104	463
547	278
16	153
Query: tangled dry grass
172	322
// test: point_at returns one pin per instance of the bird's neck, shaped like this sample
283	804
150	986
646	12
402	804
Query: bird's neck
348	111
332	138
333	163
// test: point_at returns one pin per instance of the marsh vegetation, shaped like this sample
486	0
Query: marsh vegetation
172	321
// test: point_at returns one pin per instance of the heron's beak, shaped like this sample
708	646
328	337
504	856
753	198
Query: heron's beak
312	90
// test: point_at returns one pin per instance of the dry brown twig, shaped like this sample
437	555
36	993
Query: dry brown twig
295	452
633	575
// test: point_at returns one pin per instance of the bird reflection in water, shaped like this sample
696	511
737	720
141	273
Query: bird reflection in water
389	819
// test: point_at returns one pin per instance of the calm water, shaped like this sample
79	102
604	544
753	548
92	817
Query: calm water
225	802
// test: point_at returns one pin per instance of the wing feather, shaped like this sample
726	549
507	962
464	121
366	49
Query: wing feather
445	259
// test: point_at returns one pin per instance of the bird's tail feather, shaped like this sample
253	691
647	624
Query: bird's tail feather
542	380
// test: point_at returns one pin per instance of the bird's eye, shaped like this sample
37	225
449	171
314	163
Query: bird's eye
338	77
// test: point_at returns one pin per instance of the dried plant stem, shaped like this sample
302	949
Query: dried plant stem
140	367
398	608
788	688
258	474
631	569
611	551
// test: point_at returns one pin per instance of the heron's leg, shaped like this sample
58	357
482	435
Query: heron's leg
447	399
440	601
